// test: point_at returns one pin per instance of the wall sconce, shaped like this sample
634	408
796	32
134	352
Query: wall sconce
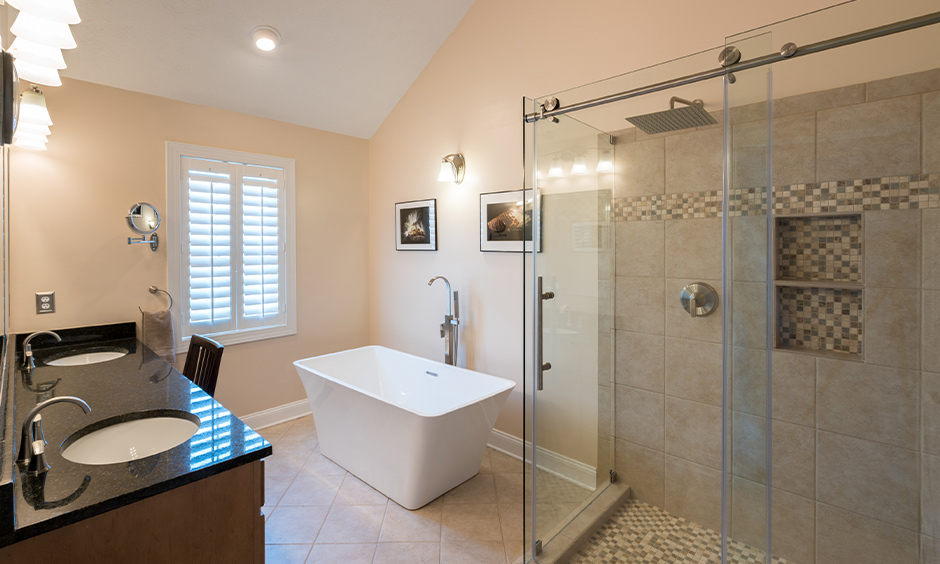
579	166
453	168
32	128
554	171
42	31
604	162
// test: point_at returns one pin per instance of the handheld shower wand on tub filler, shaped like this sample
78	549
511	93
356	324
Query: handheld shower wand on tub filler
449	327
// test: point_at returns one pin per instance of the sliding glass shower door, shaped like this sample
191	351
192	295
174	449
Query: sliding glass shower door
571	265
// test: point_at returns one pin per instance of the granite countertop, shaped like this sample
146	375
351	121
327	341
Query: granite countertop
115	390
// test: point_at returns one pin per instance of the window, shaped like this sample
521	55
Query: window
230	234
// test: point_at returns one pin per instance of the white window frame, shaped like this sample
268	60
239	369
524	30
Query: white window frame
175	223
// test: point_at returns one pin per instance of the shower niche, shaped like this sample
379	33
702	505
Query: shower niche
818	283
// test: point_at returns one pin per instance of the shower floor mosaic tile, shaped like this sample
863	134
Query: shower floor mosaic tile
639	533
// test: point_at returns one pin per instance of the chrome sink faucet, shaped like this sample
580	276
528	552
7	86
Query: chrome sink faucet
449	327
32	442
28	362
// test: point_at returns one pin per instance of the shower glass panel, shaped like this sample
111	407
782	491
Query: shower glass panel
572	261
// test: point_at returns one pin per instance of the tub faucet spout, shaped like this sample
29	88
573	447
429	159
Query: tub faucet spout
451	321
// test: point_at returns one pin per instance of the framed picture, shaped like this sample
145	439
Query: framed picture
416	225
506	221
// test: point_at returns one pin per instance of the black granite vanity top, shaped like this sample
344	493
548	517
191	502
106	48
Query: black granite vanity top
115	390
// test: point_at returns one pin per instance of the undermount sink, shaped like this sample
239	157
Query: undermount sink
147	434
86	358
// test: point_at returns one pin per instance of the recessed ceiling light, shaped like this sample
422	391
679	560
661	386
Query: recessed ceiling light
265	38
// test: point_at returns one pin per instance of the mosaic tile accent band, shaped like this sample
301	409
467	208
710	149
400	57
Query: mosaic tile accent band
845	196
639	533
820	248
822	319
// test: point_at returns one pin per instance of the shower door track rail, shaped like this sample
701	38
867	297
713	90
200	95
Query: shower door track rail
812	48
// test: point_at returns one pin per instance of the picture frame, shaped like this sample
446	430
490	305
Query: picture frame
416	225
506	222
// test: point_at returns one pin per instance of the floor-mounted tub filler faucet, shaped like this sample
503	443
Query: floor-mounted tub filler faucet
449	327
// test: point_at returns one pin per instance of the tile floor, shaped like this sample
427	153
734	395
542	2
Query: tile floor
316	512
639	533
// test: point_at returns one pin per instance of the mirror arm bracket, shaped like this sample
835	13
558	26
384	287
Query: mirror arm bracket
154	241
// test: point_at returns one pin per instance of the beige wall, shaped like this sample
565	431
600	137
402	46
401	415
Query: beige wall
106	152
469	99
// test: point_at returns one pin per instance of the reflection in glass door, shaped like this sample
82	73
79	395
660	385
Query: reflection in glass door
571	164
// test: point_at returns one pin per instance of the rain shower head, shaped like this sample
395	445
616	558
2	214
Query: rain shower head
674	119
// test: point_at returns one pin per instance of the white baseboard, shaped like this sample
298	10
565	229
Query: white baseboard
566	468
277	415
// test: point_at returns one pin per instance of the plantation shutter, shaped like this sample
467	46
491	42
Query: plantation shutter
263	274
207	268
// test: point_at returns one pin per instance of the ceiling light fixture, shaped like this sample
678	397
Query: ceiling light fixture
453	168
265	38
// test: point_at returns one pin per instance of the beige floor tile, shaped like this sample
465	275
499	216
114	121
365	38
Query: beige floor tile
503	463
402	525
312	490
286	462
319	465
478	489
481	552
292	525
352	524
356	492
485	465
508	488
267	510
275	432
408	553
511	521
274	487
470	522
515	549
339	553
286	553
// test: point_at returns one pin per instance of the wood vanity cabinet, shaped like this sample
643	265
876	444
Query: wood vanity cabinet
213	520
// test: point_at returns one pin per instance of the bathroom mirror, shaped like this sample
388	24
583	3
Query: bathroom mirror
143	218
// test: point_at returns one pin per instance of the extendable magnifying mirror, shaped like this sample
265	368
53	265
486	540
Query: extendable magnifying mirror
144	219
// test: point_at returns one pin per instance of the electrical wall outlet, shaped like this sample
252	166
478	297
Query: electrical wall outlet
45	302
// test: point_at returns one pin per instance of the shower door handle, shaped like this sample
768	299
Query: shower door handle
541	366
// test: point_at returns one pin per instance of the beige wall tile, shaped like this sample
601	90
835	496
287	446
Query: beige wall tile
644	470
843	537
693	492
930	496
748	112
904	85
931	122
749	512
824	99
749	248
930	549
892	249
641	248
869	140
931	313
794	454
694	161
794	157
605	416
870	478
749	381
892	324
870	402
642	167
640	417
641	360
693	431
749	315
693	370
749	447
640	305
749	154
693	248
679	323
794	387
930	405
793	527
930	270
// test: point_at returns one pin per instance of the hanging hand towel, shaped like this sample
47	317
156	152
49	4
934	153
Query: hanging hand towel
157	332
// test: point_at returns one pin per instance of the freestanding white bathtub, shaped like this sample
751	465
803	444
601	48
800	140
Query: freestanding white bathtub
410	427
